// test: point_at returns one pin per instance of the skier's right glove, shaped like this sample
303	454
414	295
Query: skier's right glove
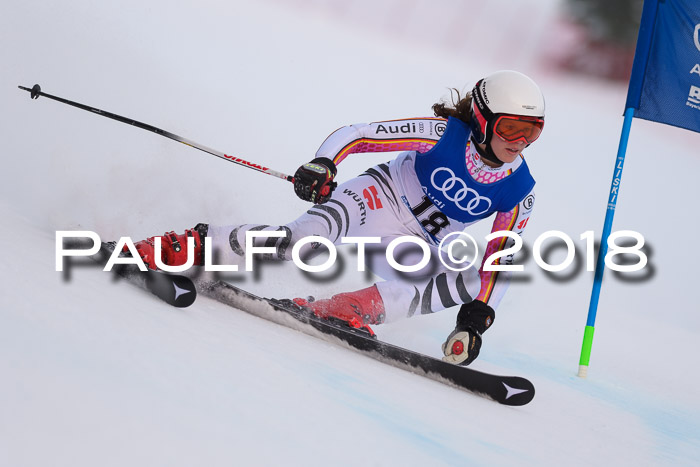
313	181
463	344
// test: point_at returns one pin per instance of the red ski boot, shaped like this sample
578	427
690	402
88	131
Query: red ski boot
174	247
356	309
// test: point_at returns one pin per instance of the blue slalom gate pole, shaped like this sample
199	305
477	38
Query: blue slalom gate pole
607	227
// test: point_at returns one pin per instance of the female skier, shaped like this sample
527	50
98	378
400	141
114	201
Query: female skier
459	167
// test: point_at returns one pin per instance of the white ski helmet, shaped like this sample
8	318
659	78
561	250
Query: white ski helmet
504	92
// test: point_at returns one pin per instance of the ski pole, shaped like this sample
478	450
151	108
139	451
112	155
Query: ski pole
35	92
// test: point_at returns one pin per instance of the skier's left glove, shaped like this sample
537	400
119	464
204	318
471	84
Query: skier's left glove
313	181
463	344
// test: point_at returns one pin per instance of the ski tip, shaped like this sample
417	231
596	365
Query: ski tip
185	292
178	291
517	392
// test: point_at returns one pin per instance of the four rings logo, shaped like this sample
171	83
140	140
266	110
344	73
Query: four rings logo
477	205
696	36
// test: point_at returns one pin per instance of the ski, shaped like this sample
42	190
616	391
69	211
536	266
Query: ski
175	290
507	390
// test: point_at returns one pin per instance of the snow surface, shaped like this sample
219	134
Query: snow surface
94	372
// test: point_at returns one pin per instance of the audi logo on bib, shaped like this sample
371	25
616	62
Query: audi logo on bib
456	190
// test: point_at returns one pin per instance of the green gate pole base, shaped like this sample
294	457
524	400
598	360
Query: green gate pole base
586	351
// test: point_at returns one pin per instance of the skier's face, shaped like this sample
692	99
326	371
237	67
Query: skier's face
506	152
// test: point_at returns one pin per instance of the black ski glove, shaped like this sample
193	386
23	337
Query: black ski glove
313	181
463	344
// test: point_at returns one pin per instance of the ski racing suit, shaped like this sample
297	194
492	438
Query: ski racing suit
437	185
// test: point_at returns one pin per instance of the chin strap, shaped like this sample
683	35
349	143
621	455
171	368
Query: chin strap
488	154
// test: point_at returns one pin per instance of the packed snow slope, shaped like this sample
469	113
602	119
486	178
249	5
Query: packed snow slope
95	372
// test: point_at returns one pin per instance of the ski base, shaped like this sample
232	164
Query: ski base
507	390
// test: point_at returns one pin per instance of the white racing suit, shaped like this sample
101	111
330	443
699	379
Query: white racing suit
389	201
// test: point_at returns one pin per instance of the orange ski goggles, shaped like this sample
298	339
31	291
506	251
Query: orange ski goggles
513	128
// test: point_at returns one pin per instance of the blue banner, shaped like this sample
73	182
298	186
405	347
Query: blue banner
665	82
